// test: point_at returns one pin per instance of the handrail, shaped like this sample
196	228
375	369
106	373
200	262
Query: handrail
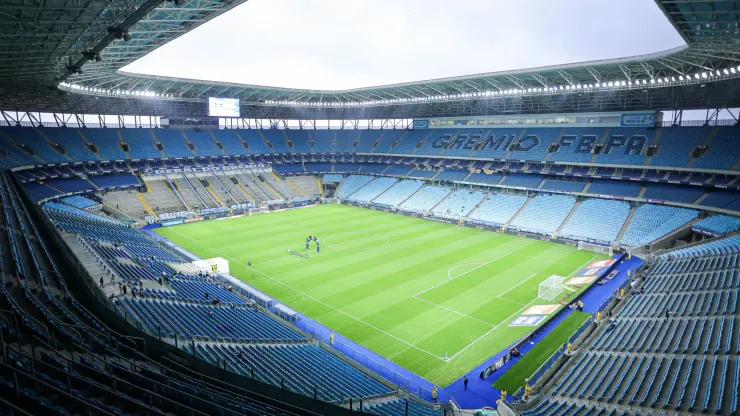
83	404
49	334
214	386
222	185
15	410
15	318
71	362
176	192
192	188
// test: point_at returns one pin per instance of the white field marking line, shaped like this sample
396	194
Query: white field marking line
357	239
514	287
315	300
449	272
541	259
246	226
517	285
453	311
270	261
514	314
509	300
462	274
225	228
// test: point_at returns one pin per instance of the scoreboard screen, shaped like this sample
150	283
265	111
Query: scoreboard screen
223	107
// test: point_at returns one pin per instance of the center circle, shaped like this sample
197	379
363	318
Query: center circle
355	240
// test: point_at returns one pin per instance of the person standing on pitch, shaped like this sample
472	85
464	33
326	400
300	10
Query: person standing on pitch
465	383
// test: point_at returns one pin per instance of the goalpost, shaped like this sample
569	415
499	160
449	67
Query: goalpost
258	210
551	288
582	245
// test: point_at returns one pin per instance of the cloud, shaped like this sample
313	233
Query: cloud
341	44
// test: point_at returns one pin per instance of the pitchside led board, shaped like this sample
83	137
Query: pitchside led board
223	107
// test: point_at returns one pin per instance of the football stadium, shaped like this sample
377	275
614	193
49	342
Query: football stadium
558	240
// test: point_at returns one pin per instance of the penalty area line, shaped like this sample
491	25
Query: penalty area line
316	300
453	311
462	274
514	314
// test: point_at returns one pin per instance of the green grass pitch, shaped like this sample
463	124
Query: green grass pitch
432	297
513	379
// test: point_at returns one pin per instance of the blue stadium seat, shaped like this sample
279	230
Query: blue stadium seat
576	144
422	174
597	219
722	199
722	153
106	141
371	191
615	188
496	143
34	139
72	142
141	143
79	202
276	137
398	193
533	144
385	139
329	177
254	141
498	209
408	142
651	222
300	140
719	224
675	193
203	143
675	144
452	175
231	142
173	142
561	185
351	184
398	170
625	146
115	180
544	214
484	178
425	199
522	180
459	203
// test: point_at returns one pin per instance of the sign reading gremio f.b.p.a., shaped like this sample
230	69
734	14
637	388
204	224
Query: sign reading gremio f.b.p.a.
476	141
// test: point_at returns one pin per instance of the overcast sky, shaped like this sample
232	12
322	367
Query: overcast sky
345	44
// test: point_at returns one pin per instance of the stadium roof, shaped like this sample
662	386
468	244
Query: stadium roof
49	63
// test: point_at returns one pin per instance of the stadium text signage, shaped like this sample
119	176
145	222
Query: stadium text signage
615	144
493	142
638	120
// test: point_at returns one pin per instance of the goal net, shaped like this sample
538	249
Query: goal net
258	210
582	245
551	288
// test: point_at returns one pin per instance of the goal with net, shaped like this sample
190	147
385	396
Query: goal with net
258	210
582	245
551	288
